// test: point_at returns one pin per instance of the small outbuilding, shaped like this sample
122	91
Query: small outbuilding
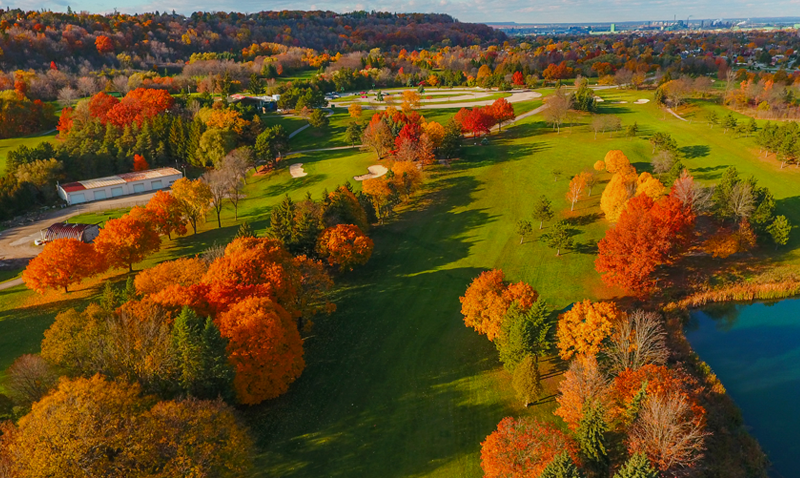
120	185
63	230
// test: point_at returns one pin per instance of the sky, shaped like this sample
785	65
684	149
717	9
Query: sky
519	11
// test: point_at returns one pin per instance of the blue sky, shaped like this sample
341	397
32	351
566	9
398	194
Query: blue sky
520	11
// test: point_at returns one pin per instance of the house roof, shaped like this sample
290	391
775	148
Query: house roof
98	183
61	230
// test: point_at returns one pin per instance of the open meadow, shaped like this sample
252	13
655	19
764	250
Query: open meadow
395	384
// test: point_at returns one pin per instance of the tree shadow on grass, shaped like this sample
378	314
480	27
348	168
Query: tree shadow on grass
696	151
292	184
709	172
394	368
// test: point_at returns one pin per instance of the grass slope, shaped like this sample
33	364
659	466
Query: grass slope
7	145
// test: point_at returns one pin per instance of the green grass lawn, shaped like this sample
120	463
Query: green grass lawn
7	145
395	385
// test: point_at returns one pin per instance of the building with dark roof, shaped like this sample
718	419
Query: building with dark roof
120	185
63	230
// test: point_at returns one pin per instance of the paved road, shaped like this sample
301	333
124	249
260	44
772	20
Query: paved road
10	283
468	100
17	242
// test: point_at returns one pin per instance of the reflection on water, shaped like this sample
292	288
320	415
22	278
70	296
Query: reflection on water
755	350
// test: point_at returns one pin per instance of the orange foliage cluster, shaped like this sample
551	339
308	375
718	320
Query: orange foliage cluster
125	241
488	298
345	246
522	447
661	381
61	263
582	329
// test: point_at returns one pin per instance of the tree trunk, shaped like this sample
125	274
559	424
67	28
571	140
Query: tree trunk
558	251
236	211
130	267
521	239
541	223
219	221
67	291
572	208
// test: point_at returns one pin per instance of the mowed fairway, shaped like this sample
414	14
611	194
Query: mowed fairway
395	384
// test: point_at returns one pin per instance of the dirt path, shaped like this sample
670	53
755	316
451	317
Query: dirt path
303	128
17	242
676	115
11	283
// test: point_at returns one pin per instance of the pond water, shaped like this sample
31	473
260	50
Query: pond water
755	350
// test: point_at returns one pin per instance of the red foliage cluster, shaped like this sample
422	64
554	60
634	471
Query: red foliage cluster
138	105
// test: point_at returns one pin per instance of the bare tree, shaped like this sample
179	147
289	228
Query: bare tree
611	123
730	80
662	162
669	434
558	105
742	203
87	86
120	84
583	384
692	194
597	124
638	340
218	182
238	162
623	77
30	378
67	96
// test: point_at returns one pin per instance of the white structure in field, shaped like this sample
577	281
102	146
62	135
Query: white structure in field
119	185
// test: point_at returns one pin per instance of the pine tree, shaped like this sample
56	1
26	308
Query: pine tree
308	230
196	130
632	412
144	142
637	466
217	377
591	435
130	290
524	333
282	222
186	342
109	300
562	466
126	142
559	237
110	139
542	210
245	230
780	230
177	139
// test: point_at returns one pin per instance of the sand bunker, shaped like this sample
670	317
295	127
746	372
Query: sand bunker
598	99
641	101
296	170
375	171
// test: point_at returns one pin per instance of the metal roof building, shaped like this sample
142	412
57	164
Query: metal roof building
63	230
120	185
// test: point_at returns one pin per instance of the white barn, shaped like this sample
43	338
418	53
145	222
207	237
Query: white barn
120	185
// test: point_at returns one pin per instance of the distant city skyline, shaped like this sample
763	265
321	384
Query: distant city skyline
479	11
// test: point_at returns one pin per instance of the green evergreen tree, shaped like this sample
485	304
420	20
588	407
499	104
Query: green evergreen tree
217	377
637	466
632	412
308	230
256	85
674	173
780	230
559	237
354	132
562	466
722	193
527	381
130	290
245	230
177	139
523	229
109	300
196	130
126	142
186	343
282	224
451	141
144	142
524	333
591	435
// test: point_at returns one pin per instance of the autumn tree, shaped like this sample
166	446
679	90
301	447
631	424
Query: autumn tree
647	184
584	385
669	433
411	100
354	110
489	297
582	329
194	198
184	271
61	263
577	186
638	339
522	447
406	177
125	241
377	136
264	347
103	44
542	210
647	235
29	379
557	108
527	381
502	111
139	163
345	246
166	214
615	161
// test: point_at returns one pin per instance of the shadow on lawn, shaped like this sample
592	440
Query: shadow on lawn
393	383
696	151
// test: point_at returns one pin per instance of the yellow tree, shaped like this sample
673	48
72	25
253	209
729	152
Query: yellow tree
410	101
616	160
647	184
582	329
621	188
435	132
354	110
577	186
194	198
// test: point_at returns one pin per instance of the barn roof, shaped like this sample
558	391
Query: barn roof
62	230
98	183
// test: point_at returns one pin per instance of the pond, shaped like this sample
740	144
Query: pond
755	350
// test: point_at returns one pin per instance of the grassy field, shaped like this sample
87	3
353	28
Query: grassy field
7	145
395	385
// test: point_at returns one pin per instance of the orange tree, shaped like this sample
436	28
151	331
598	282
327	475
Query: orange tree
488	298
522	447
647	235
61	263
345	246
264	347
185	271
167	214
582	329
126	240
